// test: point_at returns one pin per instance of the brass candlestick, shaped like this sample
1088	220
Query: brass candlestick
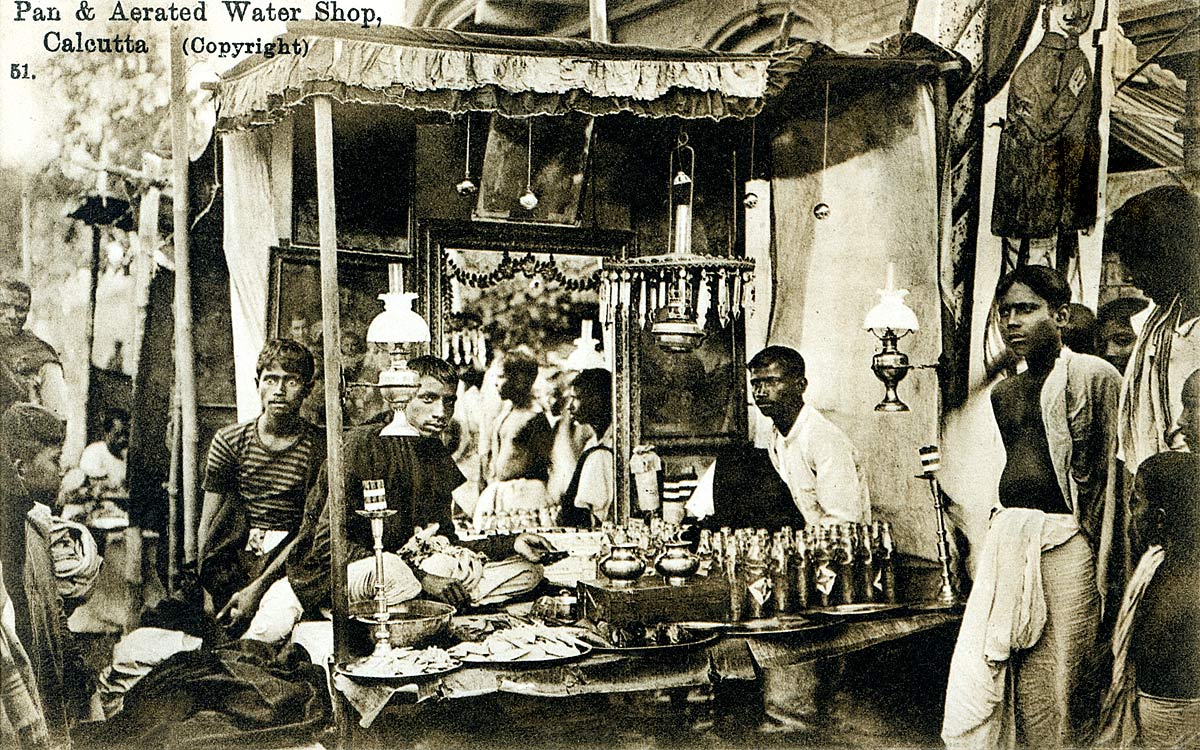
931	461
375	508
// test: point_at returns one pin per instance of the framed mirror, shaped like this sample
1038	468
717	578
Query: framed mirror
528	289
692	400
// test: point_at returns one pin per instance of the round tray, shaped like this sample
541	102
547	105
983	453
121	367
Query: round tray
347	668
550	661
863	611
671	648
781	626
935	606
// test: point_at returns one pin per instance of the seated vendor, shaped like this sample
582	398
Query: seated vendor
419	475
255	483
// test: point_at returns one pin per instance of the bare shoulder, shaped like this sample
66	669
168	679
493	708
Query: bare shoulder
1006	387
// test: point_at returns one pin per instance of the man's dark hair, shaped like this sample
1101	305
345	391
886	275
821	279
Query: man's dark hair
788	359
290	355
1154	233
520	366
111	416
28	429
470	376
1120	309
1046	282
429	366
1080	332
594	381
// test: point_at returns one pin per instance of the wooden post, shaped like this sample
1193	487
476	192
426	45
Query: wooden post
598	20
89	326
185	372
26	229
331	330
174	527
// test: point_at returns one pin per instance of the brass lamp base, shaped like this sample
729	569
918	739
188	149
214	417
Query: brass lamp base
891	366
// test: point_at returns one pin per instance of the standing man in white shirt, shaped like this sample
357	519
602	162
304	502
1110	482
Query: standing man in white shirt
818	464
812	455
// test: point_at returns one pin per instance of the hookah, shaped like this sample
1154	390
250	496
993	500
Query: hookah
931	461
375	509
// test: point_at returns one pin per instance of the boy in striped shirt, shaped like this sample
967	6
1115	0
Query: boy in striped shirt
255	482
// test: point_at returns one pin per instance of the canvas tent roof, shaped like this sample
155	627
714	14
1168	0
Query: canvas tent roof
1144	117
449	71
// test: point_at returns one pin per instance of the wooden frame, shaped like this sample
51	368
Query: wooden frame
557	173
437	236
352	265
705	390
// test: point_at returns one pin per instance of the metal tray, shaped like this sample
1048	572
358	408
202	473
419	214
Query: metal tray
671	648
348	669
483	661
862	611
780	625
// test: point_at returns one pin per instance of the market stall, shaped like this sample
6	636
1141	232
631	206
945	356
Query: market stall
407	100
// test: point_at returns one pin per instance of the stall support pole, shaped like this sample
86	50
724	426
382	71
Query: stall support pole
331	330
89	326
26	228
185	372
598	20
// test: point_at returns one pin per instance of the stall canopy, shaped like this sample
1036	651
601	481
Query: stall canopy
455	72
449	71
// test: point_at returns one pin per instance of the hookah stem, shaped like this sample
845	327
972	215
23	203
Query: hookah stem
943	535
380	598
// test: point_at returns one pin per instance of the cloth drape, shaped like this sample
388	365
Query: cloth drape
249	234
75	556
1005	614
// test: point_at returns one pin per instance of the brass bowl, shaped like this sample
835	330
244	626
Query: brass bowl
409	623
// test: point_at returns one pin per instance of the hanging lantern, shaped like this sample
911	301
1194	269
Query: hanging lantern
673	292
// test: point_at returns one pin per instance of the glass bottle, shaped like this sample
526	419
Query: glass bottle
756	579
884	561
865	565
733	574
781	584
844	556
800	573
823	574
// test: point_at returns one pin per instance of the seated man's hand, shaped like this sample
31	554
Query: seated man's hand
448	590
241	606
535	549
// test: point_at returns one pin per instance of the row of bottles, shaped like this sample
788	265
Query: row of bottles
790	571
515	520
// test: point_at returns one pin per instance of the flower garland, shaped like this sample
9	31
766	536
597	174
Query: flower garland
529	265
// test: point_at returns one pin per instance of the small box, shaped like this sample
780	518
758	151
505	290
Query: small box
650	601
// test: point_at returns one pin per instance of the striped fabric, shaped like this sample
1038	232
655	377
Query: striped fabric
269	483
679	489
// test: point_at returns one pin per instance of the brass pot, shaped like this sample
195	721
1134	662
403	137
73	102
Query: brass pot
622	566
677	563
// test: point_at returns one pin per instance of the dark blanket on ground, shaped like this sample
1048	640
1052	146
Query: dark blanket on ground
241	694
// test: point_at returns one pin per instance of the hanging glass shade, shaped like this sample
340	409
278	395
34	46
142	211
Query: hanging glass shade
676	292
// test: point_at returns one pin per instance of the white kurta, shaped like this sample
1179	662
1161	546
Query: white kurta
820	467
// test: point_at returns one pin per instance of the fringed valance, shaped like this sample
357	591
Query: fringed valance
447	71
